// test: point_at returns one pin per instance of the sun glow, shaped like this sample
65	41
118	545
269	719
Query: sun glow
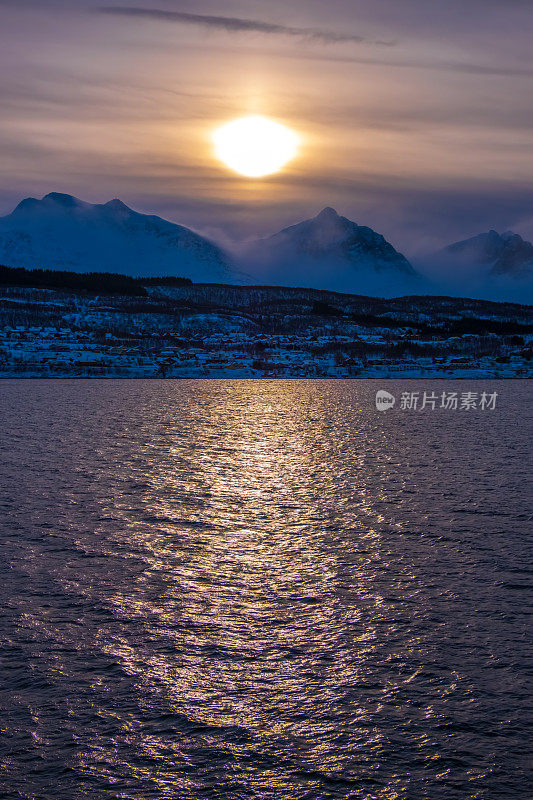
255	146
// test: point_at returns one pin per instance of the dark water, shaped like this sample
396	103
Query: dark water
246	589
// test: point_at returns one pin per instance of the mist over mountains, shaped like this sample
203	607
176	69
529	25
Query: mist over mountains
327	251
331	252
490	265
505	254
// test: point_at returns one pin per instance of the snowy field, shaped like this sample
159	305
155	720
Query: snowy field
224	331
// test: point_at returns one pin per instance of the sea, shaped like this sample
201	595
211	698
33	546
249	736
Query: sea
265	590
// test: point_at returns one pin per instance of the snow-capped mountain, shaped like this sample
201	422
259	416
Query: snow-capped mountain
505	254
62	232
329	234
490	266
330	252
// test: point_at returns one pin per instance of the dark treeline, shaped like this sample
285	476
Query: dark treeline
476	326
92	282
165	280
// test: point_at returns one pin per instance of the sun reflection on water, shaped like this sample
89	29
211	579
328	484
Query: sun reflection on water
251	595
251	626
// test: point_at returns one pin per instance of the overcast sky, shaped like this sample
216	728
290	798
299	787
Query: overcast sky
415	115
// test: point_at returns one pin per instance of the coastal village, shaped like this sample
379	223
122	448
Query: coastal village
214	331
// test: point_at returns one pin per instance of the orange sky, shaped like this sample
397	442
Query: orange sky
419	124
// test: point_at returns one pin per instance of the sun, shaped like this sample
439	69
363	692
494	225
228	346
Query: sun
255	146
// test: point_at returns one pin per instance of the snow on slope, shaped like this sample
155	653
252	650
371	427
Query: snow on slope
500	254
326	252
490	266
62	232
331	252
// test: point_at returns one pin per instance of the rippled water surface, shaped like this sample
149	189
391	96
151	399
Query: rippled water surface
262	589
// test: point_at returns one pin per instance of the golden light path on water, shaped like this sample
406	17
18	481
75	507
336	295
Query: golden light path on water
263	584
259	585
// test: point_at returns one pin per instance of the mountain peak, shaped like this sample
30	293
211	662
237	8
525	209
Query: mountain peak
507	236
28	204
327	213
62	232
60	199
116	205
51	202
117	210
505	253
330	244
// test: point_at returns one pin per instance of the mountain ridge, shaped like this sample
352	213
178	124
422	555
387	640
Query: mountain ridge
328	231
329	251
61	231
503	254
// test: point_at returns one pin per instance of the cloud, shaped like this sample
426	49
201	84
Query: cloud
233	24
437	65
